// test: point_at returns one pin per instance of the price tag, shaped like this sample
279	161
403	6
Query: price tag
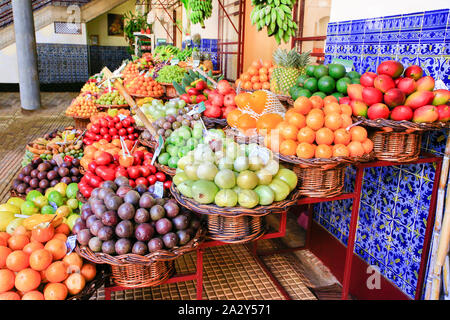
198	108
59	160
122	116
439	84
158	149
142	72
159	189
205	131
147	75
348	64
175	99
174	62
71	243
196	63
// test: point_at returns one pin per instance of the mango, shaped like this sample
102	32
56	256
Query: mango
425	114
383	83
391	68
5	218
425	84
441	96
414	72
354	91
15	201
10	208
419	99
359	108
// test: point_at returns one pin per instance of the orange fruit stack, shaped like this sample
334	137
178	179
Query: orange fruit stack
145	86
318	128
34	265
82	106
257	76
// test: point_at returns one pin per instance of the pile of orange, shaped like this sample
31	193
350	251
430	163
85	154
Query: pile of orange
257	76
255	102
130	72
82	106
144	86
34	265
318	128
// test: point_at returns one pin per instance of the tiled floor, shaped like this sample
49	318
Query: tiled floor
230	271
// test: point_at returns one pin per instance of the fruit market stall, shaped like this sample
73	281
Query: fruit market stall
166	158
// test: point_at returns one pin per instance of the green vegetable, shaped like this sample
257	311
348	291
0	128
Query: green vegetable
169	74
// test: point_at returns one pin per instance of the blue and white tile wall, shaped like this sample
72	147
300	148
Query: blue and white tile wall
68	63
395	200
207	46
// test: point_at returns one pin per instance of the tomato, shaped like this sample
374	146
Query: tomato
87	141
148	155
116	119
103	122
118	126
122	132
151	179
90	134
111	124
134	172
108	117
126	122
137	161
130	136
130	129
152	169
95	181
104	158
136	135
107	137
121	171
142	180
145	171
98	137
131	119
92	166
132	183
105	173
86	191
104	131
95	128
113	131
167	184
115	137
160	176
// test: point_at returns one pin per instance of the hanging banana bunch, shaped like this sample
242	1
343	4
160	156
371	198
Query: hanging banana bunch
276	15
200	10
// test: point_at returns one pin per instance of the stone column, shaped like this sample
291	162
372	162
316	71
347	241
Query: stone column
26	54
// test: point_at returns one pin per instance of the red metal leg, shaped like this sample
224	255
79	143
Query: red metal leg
352	233
428	232
199	274
107	293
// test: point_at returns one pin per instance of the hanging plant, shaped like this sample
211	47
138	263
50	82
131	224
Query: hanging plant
134	23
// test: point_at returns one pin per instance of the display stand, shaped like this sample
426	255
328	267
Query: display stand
139	38
324	251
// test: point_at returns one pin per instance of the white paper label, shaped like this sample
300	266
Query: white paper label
174	62
59	160
122	116
262	153
158	149
24	216
198	108
196	63
71	243
159	189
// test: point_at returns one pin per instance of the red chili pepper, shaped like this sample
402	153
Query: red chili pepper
68	158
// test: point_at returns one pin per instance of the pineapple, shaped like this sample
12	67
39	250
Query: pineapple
289	66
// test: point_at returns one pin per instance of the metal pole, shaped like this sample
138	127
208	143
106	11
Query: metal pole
26	55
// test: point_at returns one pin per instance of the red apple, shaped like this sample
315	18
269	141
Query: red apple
402	113
371	95
213	112
378	111
367	79
227	110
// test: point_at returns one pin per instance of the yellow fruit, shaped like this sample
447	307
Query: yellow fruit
5	218
9	208
15	201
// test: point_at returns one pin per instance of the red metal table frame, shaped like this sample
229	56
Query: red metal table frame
349	255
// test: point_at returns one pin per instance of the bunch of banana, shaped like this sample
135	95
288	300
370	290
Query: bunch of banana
183	55
276	15
164	52
200	11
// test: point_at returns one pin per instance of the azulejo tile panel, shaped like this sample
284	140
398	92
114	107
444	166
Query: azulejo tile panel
395	200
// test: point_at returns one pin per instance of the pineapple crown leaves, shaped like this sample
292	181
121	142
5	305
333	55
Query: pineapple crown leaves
291	59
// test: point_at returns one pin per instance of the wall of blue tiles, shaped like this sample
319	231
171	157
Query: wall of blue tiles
395	200
68	63
207	46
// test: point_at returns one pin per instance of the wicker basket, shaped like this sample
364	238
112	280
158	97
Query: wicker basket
81	123
212	123
170	91
317	182
397	146
135	271
236	224
101	107
166	169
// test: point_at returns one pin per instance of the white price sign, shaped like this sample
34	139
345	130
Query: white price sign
71	243
159	189
158	149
